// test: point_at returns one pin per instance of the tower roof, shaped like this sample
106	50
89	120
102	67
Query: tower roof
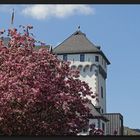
78	43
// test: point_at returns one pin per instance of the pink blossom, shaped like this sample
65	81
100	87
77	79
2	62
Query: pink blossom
39	94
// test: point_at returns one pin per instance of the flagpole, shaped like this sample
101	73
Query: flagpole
12	18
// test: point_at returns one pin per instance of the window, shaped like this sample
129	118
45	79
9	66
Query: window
65	57
102	111
103	126
84	130
82	57
102	92
96	58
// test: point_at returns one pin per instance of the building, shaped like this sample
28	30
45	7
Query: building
115	124
92	64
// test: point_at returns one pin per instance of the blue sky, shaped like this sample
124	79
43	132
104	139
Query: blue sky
116	28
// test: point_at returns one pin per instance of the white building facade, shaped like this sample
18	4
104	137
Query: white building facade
92	64
90	67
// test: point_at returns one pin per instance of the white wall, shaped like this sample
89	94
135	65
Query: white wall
93	121
74	58
93	80
102	62
102	101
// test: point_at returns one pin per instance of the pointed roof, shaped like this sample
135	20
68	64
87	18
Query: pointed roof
78	43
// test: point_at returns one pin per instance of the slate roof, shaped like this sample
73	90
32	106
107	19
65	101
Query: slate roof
78	43
96	114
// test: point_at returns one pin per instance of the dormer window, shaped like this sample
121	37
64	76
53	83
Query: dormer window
82	57
65	57
96	58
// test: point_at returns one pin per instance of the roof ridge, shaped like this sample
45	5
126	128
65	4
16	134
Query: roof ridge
93	44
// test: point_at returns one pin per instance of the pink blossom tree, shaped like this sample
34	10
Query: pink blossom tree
39	94
95	131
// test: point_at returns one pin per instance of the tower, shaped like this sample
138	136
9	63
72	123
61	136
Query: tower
91	62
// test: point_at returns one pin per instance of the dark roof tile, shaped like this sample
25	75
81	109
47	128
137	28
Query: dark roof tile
76	43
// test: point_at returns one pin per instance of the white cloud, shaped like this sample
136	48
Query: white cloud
5	8
60	11
8	8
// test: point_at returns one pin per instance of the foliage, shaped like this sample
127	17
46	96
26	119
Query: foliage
39	94
95	131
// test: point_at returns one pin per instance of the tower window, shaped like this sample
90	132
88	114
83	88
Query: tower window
82	57
102	111
102	92
65	57
96	58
